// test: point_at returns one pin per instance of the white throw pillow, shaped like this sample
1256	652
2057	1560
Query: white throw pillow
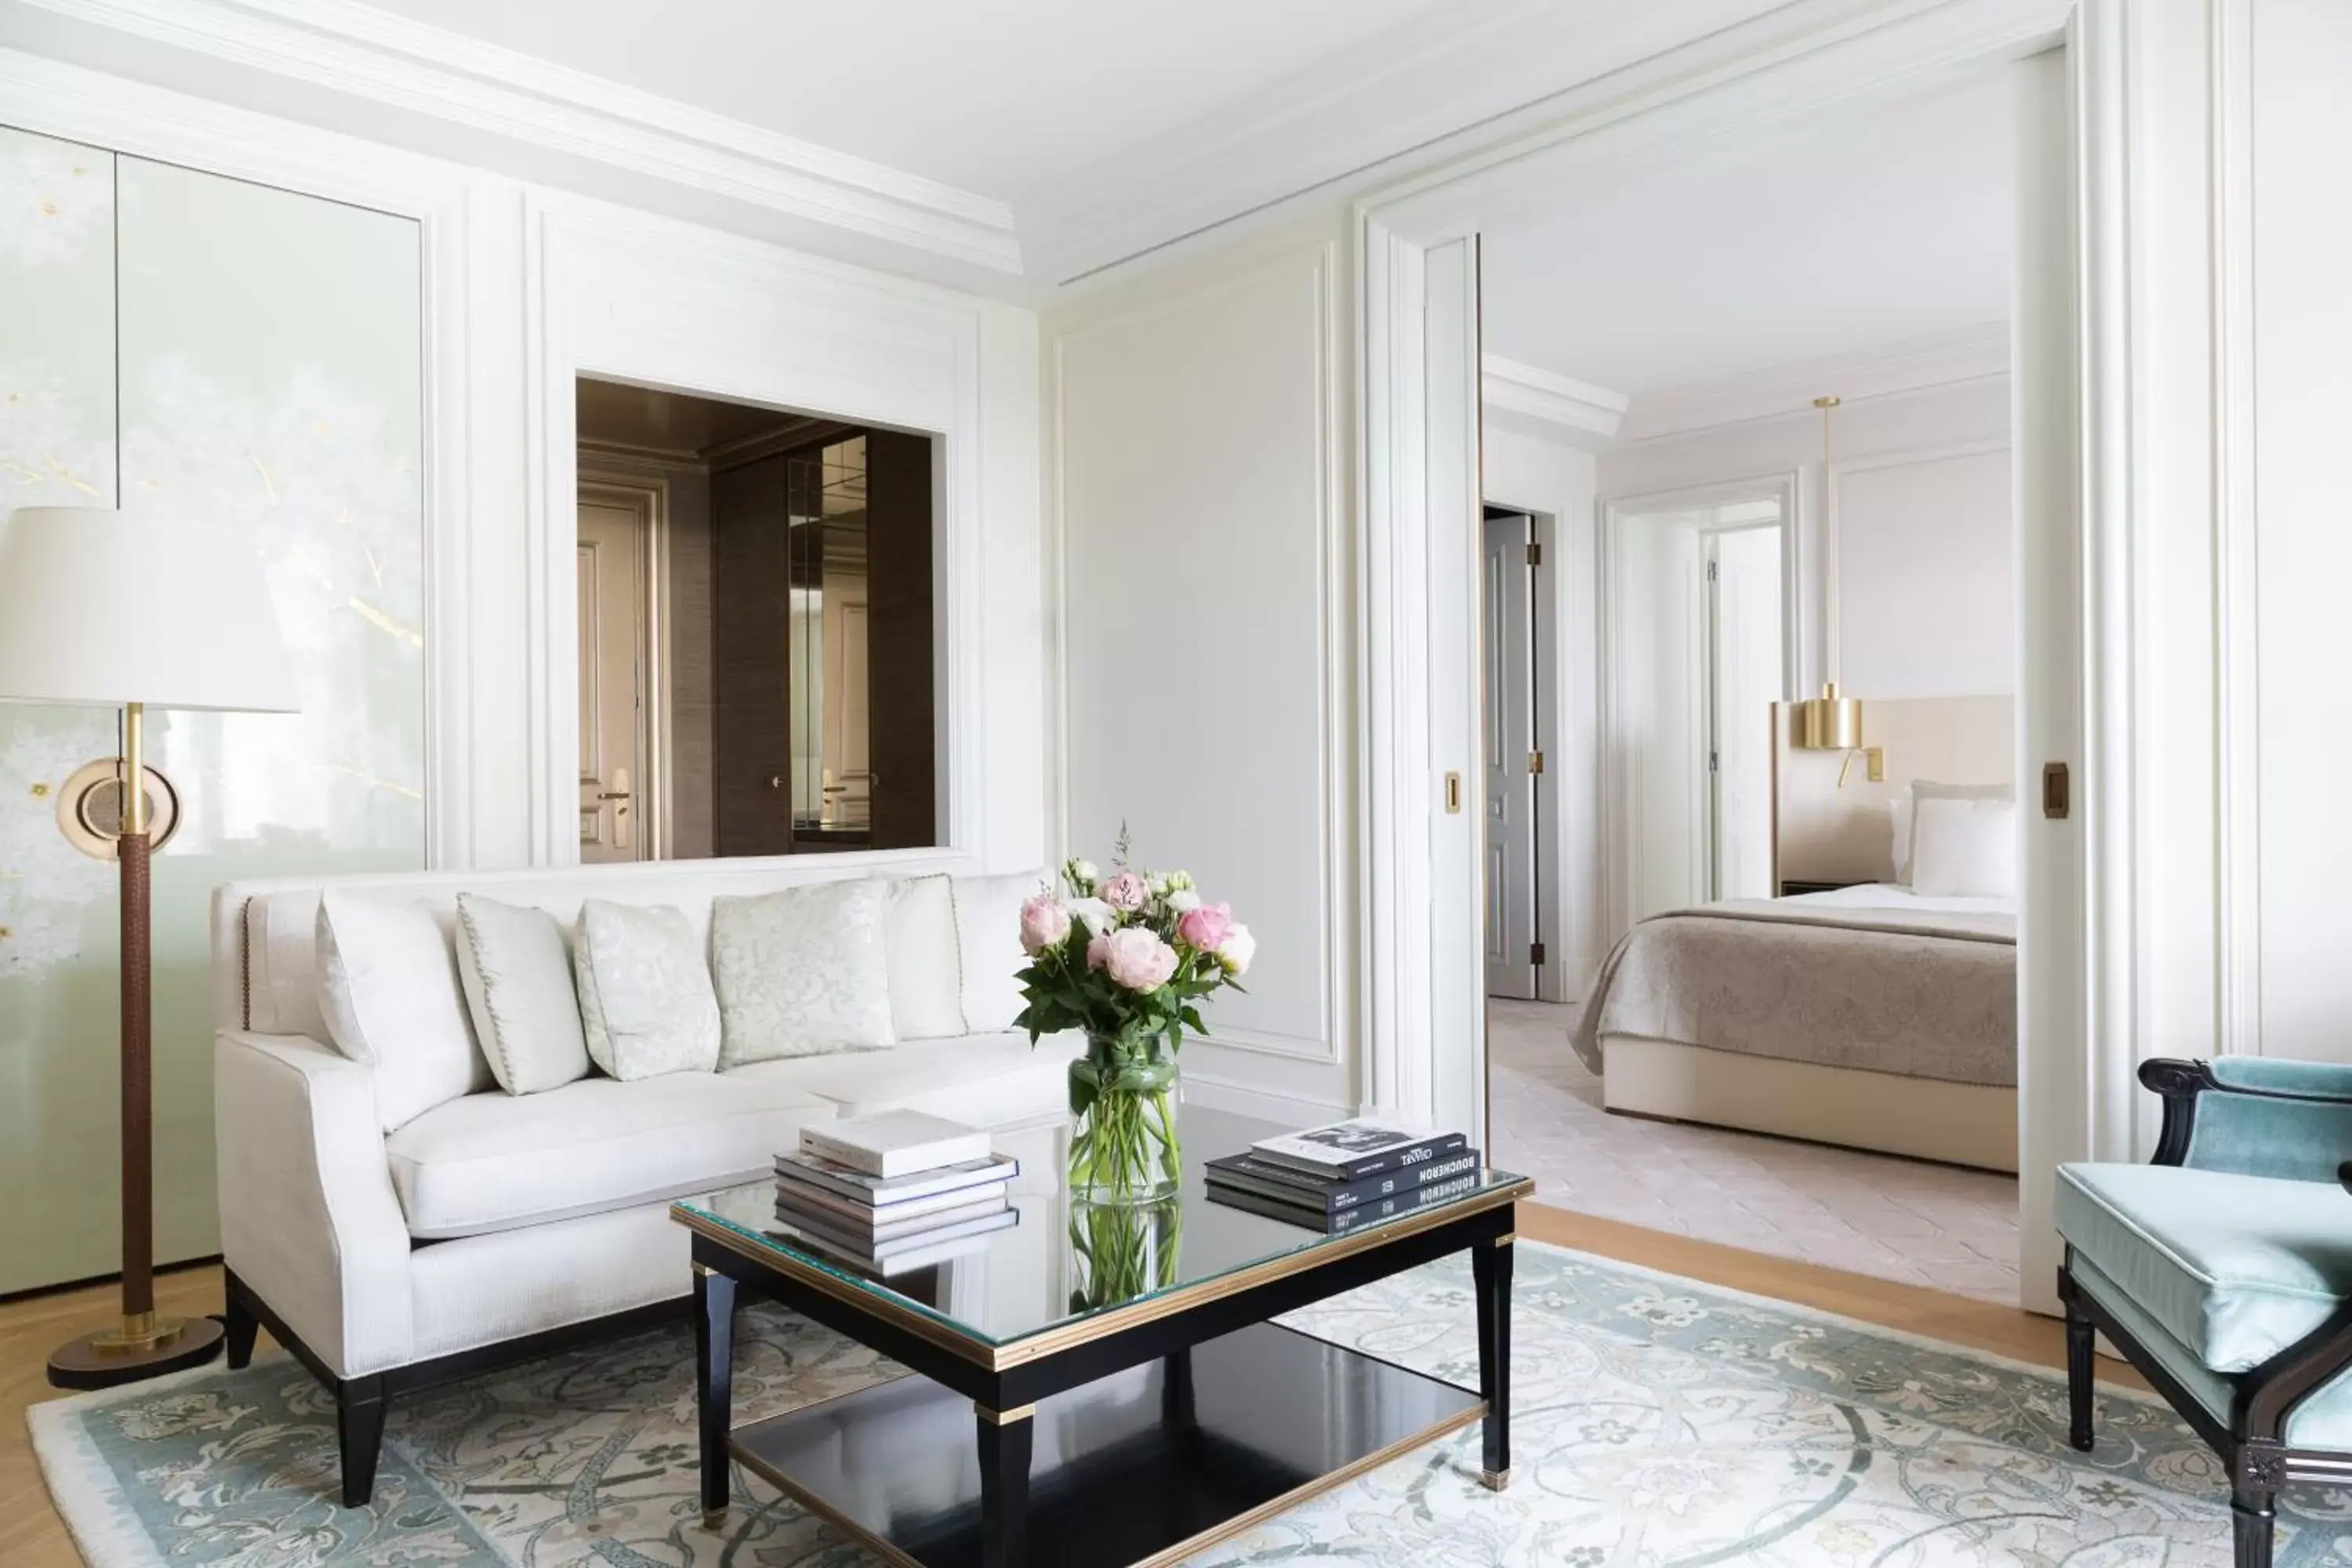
802	971
645	1003
1907	815
1964	848
988	934
517	968
389	990
919	943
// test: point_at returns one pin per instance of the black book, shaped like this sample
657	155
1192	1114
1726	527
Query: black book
1285	1184
1352	1150
1434	1195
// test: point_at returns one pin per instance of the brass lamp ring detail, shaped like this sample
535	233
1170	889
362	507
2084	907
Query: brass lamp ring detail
90	807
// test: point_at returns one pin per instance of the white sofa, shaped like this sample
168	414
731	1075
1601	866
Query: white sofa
496	1226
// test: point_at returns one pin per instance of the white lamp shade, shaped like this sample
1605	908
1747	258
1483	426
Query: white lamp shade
103	608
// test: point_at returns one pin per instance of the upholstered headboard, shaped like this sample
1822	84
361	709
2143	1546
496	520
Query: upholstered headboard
265	967
1822	832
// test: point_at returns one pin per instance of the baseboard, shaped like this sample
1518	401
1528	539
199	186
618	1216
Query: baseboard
1243	1099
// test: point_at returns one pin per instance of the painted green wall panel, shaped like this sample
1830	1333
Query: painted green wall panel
271	379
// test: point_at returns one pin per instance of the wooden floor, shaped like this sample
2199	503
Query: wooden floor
32	1536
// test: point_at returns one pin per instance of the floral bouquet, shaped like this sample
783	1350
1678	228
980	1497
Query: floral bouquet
1127	958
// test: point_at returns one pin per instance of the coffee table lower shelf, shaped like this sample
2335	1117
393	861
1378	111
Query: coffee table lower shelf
1145	1466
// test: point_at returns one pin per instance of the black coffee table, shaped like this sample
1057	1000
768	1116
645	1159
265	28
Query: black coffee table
1093	1386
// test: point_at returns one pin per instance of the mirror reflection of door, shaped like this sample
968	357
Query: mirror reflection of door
1744	681
615	539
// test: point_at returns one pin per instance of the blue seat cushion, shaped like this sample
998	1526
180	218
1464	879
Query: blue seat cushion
2234	1267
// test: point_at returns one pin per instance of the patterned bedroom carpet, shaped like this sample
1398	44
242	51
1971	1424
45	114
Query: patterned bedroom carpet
1655	1421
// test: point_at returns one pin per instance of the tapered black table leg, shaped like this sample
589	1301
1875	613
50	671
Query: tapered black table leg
1004	1444
2082	1348
1490	1271
714	1381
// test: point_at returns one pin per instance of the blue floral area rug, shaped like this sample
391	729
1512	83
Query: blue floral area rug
1655	1422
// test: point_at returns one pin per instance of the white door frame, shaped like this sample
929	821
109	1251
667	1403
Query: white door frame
1617	811
2080	958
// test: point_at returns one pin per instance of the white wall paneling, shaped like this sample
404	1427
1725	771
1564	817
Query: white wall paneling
1919	555
628	297
1206	612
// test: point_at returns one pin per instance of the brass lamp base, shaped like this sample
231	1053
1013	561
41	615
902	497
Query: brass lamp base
136	1347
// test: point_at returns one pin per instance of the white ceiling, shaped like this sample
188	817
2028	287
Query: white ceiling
1846	236
1000	99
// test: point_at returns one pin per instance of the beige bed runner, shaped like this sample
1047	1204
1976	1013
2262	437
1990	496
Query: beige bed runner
1916	992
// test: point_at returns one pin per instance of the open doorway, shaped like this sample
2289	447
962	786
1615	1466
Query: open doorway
758	630
1510	678
1746	872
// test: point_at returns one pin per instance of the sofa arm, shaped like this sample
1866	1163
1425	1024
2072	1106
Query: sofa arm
309	1219
2253	1115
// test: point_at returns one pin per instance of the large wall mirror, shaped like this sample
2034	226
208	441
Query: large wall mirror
759	630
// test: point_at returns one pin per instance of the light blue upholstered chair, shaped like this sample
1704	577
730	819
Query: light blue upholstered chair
2223	1271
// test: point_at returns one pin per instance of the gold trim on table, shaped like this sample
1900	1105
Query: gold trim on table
1049	1342
1019	1413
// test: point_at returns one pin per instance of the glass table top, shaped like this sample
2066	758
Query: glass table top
1061	1262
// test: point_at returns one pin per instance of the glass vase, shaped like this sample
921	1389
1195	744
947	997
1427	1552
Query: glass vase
1123	1144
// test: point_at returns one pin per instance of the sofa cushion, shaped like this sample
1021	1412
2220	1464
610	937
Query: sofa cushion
516	967
2234	1267
645	1003
986	1080
988	939
388	986
919	941
801	971
282	969
493	1162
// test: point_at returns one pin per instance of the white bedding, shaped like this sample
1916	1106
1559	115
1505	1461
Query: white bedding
1888	896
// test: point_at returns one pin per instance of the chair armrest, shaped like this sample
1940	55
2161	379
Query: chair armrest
309	1219
2253	1115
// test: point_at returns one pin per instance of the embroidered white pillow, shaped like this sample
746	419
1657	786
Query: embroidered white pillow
802	971
388	987
918	944
645	1003
516	969
988	933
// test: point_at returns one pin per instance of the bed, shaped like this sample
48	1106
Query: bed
1875	1016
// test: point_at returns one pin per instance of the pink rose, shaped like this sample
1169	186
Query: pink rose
1097	952
1204	929
1124	890
1137	960
1043	923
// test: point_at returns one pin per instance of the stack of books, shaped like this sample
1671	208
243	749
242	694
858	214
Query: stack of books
895	1192
1347	1174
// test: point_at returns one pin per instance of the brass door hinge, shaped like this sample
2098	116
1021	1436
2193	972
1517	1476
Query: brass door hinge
1535	954
1535	762
1535	554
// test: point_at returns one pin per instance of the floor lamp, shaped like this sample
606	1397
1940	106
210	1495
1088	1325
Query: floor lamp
133	611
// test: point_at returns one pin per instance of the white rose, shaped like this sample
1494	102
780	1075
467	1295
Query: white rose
1237	950
1083	871
1093	914
1184	901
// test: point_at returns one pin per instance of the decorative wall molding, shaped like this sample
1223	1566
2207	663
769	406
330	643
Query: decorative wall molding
1786	391
1236	1056
1541	404
357	49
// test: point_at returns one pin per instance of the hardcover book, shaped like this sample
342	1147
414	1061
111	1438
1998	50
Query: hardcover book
877	1191
1362	1146
874	1228
1285	1184
1431	1196
895	1142
898	1249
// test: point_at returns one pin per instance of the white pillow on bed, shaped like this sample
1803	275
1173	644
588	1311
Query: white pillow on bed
1904	808
1964	847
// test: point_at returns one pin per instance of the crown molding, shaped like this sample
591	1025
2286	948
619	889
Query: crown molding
1943	359
355	50
1423	88
1539	403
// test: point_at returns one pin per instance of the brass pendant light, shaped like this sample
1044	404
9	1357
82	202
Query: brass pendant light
1829	723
